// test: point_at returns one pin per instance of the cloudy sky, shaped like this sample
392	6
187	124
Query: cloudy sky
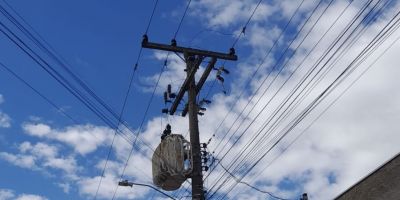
312	104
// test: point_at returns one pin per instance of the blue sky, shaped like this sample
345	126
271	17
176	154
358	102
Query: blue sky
45	155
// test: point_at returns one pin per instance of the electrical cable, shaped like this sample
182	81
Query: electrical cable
58	108
328	107
281	86
181	21
284	102
281	57
251	186
66	84
363	52
60	79
52	55
248	82
125	101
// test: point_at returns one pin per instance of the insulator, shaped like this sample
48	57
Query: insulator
205	168
203	145
173	42
168	127
205	160
204	153
224	70
145	39
172	95
165	97
232	51
206	101
165	111
167	132
220	78
202	109
244	30
169	88
200	113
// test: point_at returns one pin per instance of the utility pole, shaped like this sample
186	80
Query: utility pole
193	59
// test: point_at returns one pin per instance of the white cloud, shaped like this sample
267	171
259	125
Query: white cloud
25	161
40	156
7	194
5	120
30	197
339	149
88	187
83	138
226	13
65	187
173	74
39	130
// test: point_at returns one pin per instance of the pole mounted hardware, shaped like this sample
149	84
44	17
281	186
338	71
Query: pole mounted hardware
193	58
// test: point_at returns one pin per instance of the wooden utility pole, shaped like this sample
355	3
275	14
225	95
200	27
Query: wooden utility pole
193	59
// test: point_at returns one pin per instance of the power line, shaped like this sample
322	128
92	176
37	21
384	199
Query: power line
248	82
246	24
242	32
42	63
276	93
51	71
66	84
330	105
58	108
293	100
140	127
125	101
182	18
251	186
331	87
159	77
281	57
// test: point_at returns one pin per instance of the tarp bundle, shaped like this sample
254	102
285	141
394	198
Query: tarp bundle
168	162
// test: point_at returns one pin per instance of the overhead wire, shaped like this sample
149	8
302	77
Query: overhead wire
248	82
48	68
353	62
58	77
153	93
251	186
329	106
283	104
264	80
233	45
236	40
49	101
125	101
281	86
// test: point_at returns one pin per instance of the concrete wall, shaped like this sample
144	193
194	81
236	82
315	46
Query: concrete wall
383	183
